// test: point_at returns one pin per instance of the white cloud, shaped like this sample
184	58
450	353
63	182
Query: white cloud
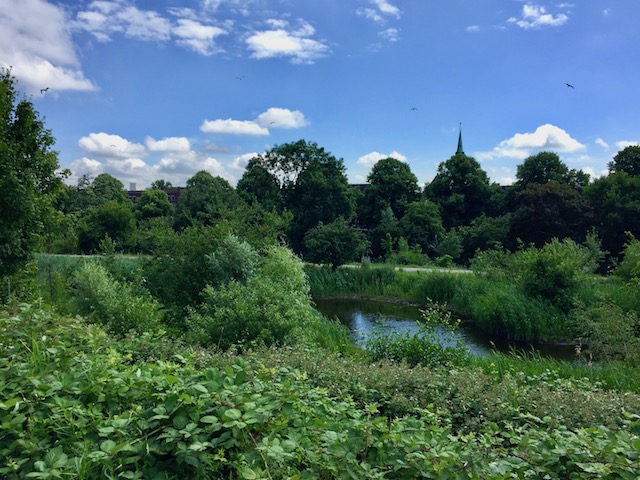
602	143
198	37
622	144
390	34
241	162
521	145
372	158
534	16
169	144
35	42
233	127
382	9
281	118
110	146
473	28
284	41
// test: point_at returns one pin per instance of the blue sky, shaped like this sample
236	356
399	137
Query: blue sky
150	89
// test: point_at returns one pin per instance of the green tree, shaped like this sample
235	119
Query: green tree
259	185
422	225
627	160
483	233
391	184
205	201
462	191
335	243
111	219
28	180
615	200
550	210
161	185
151	204
107	188
313	183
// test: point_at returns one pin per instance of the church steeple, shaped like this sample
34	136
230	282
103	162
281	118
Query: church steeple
460	151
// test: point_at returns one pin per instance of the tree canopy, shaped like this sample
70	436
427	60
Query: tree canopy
28	179
627	160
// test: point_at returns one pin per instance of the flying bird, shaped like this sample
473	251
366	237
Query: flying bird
42	90
414	108
569	85
240	77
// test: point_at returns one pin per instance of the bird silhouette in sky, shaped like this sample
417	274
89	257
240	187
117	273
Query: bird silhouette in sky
42	90
569	85
414	108
240	77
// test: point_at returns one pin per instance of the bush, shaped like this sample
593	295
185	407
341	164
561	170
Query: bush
270	307
112	303
628	269
434	344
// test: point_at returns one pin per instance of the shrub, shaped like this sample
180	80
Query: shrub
628	268
269	307
112	303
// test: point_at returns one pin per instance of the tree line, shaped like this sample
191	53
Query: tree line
298	193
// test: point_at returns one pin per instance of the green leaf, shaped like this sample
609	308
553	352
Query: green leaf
232	414
209	419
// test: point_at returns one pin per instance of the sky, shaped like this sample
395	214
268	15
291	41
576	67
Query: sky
161	89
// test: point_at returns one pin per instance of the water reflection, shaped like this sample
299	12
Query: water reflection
364	317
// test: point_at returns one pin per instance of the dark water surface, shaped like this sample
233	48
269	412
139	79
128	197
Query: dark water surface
364	317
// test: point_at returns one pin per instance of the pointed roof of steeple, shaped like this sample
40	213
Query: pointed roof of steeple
460	151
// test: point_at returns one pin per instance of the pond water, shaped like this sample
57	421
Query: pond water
364	317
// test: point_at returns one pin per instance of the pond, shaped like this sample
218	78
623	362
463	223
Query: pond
366	316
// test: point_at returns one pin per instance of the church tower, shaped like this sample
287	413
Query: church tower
460	151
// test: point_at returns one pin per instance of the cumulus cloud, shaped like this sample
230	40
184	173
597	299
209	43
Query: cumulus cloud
282	118
473	28
233	127
534	16
372	158
35	42
390	34
169	144
380	11
284	40
198	37
622	144
110	146
521	145
602	143
105	19
241	162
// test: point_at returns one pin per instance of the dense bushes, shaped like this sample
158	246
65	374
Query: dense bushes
74	408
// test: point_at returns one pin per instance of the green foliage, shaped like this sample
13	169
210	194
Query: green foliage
609	333
434	344
628	269
233	260
461	189
270	307
112	303
407	255
152	204
112	219
28	179
74	408
421	225
335	243
627	160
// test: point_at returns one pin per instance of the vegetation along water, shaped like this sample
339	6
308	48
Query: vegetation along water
162	339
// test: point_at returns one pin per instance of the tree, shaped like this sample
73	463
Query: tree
111	219
335	243
313	184
205	200
483	233
392	185
151	204
259	185
28	180
541	168
461	189
627	160
161	185
107	188
422	225
615	200
547	211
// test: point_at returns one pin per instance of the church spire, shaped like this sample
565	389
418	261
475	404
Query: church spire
460	151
